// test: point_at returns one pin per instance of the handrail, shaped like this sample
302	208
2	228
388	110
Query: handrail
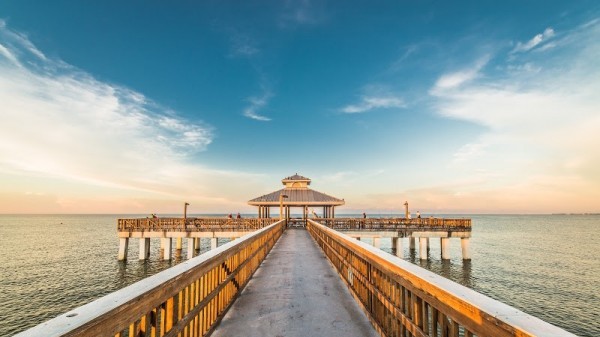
395	223
188	299
192	224
403	299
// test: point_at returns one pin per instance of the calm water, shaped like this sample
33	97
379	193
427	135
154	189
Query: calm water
546	266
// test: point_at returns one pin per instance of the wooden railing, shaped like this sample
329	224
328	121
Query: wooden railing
192	224
395	223
189	299
402	299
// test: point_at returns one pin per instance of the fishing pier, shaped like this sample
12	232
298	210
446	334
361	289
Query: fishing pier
285	276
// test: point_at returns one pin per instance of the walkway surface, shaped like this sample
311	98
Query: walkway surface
295	292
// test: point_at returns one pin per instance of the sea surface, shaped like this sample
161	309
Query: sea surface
545	265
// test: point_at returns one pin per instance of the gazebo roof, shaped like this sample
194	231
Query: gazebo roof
295	177
298	195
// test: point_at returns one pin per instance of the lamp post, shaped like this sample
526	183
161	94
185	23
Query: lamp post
406	209
185	212
281	197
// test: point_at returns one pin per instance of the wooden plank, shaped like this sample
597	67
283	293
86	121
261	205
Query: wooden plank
477	313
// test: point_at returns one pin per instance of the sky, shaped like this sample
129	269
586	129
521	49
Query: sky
455	107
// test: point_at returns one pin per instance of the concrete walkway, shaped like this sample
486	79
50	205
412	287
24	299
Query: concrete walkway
295	292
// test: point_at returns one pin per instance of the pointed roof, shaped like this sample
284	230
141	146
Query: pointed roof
298	195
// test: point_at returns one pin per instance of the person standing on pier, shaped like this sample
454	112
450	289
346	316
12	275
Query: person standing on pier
418	215
238	216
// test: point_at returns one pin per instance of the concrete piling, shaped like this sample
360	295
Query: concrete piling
123	247
144	248
423	248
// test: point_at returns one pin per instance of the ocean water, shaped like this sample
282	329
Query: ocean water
545	265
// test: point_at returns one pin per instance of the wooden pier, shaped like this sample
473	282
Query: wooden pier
194	229
191	229
296	292
194	297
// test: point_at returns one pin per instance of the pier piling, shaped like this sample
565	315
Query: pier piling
445	244
144	248
464	245
423	248
167	243
123	247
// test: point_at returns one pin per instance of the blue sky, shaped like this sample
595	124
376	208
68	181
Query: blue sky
457	107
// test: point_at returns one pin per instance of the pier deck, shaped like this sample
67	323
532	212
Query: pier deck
296	292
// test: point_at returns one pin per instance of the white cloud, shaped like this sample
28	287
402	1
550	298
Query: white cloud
301	12
257	103
242	45
534	42
368	103
455	79
63	132
540	121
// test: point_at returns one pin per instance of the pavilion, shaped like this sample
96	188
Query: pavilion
296	194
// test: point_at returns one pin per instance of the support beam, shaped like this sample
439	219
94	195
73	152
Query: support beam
190	248
179	243
214	243
445	244
428	245
167	243
123	246
144	248
376	242
197	244
397	243
464	245
423	248
412	243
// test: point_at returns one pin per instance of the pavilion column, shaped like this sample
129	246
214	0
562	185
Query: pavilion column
268	215
423	248
190	247
197	244
214	243
144	248
412	243
178	243
333	211
123	246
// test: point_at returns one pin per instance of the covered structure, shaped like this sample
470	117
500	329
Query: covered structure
296	194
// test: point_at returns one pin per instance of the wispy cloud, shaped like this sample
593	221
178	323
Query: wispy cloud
63	127
375	97
301	12
242	45
540	117
455	79
256	104
535	41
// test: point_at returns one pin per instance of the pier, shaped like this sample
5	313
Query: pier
200	296
286	276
